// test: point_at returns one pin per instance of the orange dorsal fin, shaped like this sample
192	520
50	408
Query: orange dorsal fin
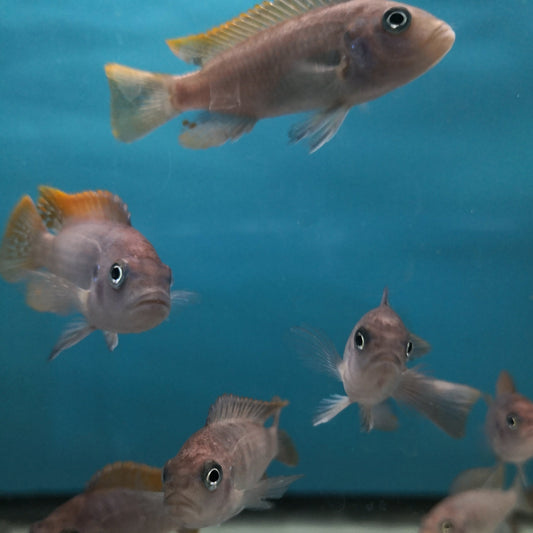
56	207
126	475
198	49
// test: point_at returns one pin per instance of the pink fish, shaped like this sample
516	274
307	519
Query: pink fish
123	497
220	470
282	56
92	262
374	369
509	423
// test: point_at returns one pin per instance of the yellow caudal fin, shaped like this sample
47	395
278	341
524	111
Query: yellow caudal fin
128	475
140	101
17	251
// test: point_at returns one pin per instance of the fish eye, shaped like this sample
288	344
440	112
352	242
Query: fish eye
396	20
408	348
446	526
360	339
211	475
513	421
118	274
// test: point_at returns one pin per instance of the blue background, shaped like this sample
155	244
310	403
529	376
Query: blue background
427	190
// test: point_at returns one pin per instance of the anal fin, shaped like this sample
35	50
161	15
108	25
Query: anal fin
214	129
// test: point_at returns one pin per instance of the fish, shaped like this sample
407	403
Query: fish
80	253
472	511
509	423
373	370
123	497
281	57
220	470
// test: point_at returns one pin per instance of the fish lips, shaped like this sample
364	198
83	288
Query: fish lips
151	308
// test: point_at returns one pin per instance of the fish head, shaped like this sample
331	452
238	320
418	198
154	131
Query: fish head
509	427
130	291
380	337
388	44
198	485
442	520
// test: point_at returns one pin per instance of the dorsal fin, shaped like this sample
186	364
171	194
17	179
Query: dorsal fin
199	49
505	384
229	406
126	475
56	206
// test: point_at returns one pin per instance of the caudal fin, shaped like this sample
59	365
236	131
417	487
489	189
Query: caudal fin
140	101
17	251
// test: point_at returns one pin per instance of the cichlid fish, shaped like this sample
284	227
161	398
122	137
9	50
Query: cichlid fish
121	498
373	370
220	470
282	56
473	511
509	423
92	262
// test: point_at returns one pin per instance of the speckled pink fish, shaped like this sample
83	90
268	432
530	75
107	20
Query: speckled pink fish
220	470
282	56
374	370
92	262
509	423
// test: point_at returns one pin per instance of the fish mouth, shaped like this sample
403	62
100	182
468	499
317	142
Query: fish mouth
153	300
442	38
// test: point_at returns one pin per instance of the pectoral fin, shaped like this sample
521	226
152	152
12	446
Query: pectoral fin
71	336
476	478
319	128
47	292
214	129
446	404
267	489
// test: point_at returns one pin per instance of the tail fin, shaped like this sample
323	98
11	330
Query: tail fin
140	101
17	249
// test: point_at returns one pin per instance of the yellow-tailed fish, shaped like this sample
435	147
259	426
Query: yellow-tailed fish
92	262
374	369
220	470
282	56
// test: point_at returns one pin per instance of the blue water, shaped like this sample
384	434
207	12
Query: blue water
427	190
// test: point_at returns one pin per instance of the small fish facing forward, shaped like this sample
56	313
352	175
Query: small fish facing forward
373	370
93	262
282	56
220	470
509	423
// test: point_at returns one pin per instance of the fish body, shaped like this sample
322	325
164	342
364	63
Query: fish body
283	56
374	369
472	511
509	423
116	510
220	470
92	262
